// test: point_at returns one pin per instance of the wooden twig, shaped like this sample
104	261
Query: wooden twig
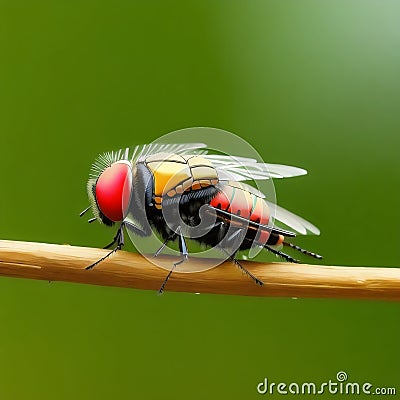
124	269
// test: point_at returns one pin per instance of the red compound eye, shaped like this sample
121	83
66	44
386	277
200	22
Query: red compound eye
113	190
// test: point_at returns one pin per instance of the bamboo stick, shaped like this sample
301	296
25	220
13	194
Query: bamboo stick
124	269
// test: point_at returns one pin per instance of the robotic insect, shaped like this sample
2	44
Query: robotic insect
168	186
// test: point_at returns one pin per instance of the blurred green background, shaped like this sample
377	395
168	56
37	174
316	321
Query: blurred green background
309	83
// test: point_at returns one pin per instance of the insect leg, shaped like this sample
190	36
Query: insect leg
184	254
120	243
245	270
161	290
115	240
281	254
182	244
251	224
128	225
298	248
170	237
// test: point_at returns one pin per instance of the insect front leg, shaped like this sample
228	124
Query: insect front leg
115	240
119	239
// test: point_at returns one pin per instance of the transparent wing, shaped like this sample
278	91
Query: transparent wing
142	151
243	169
233	168
295	222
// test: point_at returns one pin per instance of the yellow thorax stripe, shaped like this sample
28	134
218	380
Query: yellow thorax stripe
174	173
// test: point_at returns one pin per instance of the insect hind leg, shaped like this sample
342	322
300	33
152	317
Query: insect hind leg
301	250
243	268
281	254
